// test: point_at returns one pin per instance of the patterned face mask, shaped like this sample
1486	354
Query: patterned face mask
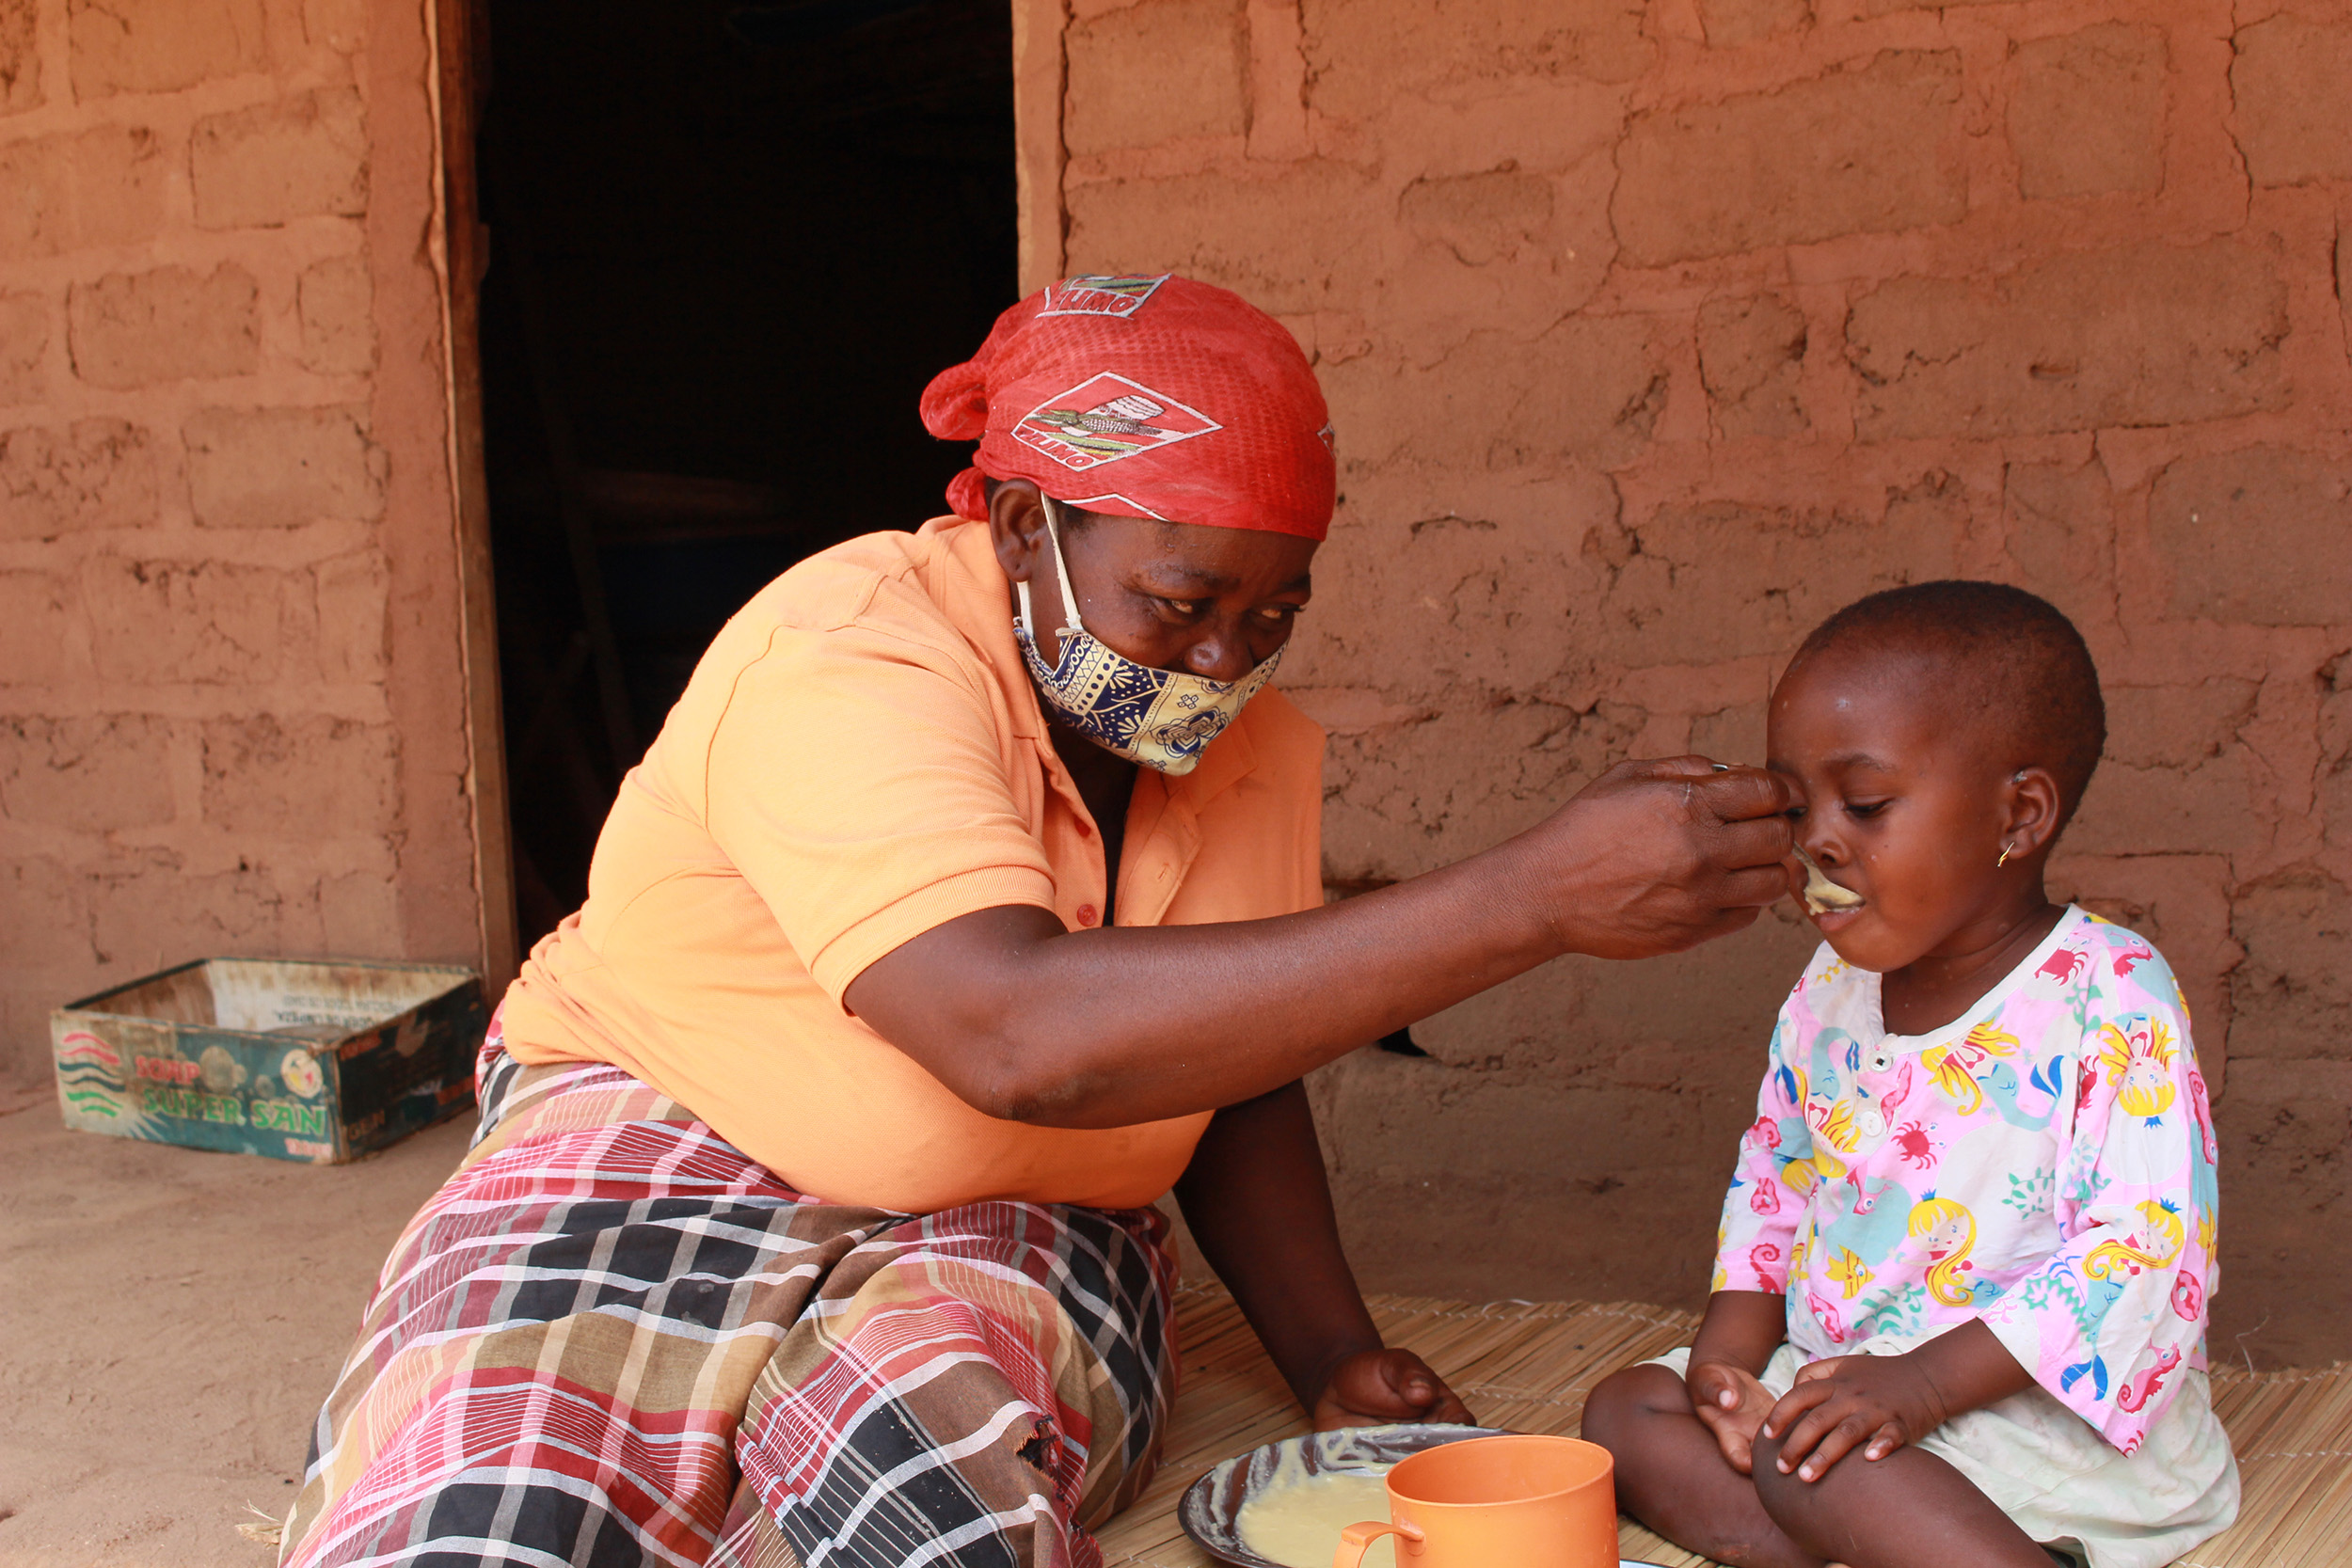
1160	719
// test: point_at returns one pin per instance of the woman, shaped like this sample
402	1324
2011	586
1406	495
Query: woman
968	901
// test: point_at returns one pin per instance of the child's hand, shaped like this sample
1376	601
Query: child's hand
1374	1387
1732	1404
1877	1402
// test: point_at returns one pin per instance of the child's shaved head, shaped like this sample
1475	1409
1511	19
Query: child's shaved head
2017	669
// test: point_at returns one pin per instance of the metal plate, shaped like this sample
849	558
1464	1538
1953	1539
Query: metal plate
1210	1510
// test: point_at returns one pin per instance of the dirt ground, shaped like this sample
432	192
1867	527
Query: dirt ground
169	1323
170	1320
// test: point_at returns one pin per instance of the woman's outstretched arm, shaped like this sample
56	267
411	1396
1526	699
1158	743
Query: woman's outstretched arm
1030	1023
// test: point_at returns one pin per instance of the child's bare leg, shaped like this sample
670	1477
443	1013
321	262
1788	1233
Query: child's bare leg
1909	1510
1672	1474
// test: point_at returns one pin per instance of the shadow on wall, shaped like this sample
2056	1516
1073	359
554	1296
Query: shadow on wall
729	245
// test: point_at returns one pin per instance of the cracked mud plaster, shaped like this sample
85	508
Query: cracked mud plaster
216	486
1668	332
95	473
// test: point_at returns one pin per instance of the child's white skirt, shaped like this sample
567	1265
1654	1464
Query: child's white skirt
2064	1484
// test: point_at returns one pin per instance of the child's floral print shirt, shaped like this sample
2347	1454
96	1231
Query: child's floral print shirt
2046	1162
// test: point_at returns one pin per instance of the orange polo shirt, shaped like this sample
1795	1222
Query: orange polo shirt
859	757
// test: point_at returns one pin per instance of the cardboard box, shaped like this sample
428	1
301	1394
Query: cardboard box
316	1060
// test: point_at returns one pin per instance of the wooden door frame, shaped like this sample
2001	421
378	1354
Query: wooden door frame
460	48
1041	76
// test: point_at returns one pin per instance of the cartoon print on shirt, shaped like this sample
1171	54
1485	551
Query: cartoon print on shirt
2151	1248
2061	966
2139	1064
1946	1231
2201	1110
1955	1067
2046	1169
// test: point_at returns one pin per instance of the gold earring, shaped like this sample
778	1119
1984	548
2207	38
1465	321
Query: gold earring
2004	860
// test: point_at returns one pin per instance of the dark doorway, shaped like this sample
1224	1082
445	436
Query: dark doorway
728	243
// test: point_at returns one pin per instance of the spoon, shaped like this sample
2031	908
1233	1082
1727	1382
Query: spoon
1821	896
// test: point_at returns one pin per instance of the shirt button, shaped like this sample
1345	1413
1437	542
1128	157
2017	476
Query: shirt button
1087	914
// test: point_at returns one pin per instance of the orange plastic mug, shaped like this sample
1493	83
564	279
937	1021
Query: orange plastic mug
1498	1502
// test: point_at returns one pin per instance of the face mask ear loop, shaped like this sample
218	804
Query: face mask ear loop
1061	567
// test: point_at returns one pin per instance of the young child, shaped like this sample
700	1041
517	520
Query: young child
1960	1289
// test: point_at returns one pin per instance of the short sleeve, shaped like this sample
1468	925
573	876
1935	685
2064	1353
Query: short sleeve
860	781
2108	1321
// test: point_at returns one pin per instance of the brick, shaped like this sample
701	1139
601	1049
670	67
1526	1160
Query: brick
2343	271
44	907
300	157
2177	726
2285	1130
2149	334
1720	580
1751	358
101	188
2088	115
352	590
1426	794
2200	808
24	338
300	779
1281	243
1860	151
2294	115
1360	58
2228	526
2334	679
87	775
1156	72
1735	21
94	473
334	301
20	56
2061	535
165	623
1496	215
1507	249
1587	392
2292	996
1733	734
136	329
151	912
337	25
36	630
161	45
282	468
360	913
1496	599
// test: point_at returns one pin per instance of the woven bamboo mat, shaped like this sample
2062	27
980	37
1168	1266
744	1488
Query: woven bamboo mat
1528	1366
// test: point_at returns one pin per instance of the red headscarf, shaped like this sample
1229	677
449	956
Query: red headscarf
1147	397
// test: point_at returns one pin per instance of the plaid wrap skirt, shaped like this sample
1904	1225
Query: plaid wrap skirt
611	1338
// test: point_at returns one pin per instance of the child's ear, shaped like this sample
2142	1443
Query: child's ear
2033	812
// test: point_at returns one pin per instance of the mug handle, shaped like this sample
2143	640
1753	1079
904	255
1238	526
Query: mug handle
1354	1539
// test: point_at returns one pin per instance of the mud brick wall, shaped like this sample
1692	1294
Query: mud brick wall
1657	329
231	695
